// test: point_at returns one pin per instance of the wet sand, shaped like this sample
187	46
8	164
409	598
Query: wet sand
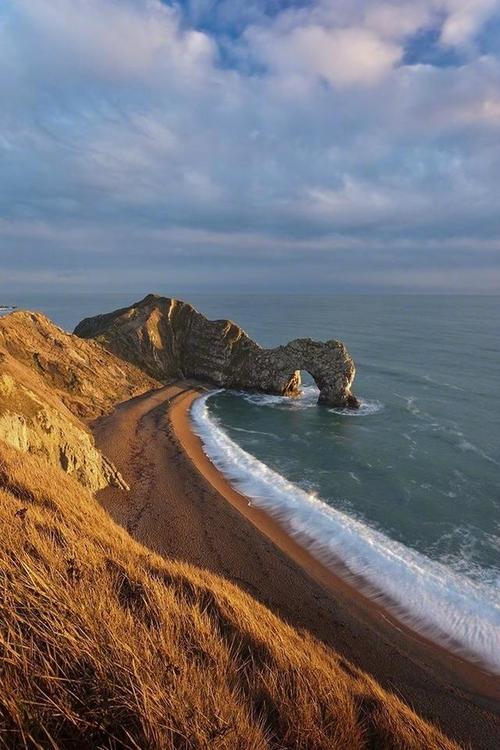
181	506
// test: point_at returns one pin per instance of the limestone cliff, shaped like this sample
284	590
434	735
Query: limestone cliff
49	380
168	338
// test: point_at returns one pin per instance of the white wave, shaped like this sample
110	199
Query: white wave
410	404
465	445
442	383
365	409
308	399
255	432
460	613
263	399
451	430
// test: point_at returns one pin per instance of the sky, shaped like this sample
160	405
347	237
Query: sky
250	145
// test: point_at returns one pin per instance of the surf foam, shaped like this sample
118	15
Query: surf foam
459	613
307	400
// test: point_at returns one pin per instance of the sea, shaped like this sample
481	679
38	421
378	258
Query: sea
405	491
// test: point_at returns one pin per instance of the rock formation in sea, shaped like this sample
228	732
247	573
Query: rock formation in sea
168	339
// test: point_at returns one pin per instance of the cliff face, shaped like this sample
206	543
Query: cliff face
29	424
169	338
48	381
81	374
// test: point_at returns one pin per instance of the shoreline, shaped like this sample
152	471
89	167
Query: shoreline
472	676
181	506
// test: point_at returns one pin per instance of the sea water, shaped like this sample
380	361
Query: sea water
406	490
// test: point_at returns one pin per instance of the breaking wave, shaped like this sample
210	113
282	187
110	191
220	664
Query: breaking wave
460	613
308	399
365	409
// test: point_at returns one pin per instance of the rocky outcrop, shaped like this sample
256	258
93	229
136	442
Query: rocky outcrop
168	338
84	376
49	381
30	425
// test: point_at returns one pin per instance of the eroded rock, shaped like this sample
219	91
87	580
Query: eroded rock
168	339
31	425
50	382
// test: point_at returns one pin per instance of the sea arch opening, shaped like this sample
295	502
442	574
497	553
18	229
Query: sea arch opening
300	380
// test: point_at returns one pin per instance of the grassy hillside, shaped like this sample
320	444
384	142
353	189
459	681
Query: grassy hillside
105	645
81	374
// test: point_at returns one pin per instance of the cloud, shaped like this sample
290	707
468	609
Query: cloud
264	139
398	20
116	41
464	19
340	56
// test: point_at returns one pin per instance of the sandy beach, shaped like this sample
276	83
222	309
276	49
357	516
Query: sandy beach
181	506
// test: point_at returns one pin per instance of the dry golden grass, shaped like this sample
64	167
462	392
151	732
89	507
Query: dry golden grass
106	645
86	378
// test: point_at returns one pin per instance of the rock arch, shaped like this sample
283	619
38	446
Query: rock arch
328	363
168	338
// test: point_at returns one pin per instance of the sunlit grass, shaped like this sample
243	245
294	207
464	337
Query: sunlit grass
106	645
